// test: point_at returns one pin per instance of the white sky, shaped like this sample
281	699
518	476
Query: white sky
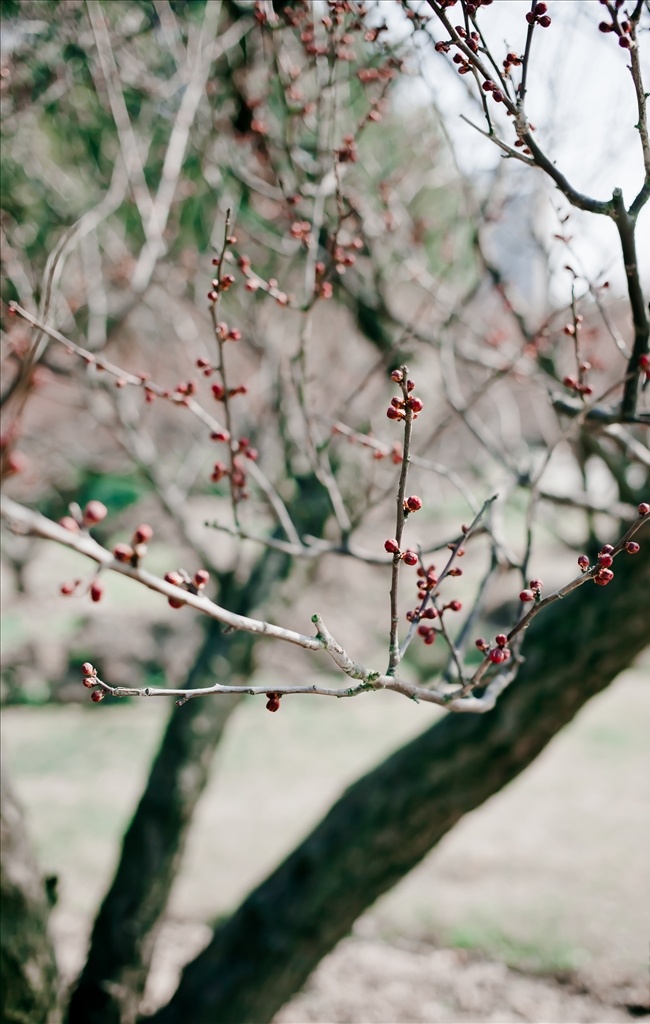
582	102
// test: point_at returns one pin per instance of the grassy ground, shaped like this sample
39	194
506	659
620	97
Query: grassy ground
547	876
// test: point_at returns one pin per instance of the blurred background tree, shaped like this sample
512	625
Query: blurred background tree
131	133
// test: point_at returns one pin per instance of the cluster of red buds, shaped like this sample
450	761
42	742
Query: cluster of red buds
219	392
605	557
533	593
426	613
464	66
256	283
472	39
381	74
219	285
427	581
238	475
344	254
398	406
497	95
473	7
428	633
90	680
409	557
301	229
577	385
193	584
273	701
376	111
185	388
499	654
134	552
623	29
322	288
95	589
511	60
94	512
538	16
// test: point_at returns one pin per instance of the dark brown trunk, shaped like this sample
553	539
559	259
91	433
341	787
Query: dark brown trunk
28	973
112	982
111	985
390	819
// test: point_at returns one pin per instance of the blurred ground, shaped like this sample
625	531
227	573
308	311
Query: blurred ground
547	880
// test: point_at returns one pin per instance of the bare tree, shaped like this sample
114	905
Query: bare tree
343	354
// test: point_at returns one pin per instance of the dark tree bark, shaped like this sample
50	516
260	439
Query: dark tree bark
126	928
112	982
28	972
390	819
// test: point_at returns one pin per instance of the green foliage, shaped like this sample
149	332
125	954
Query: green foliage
116	490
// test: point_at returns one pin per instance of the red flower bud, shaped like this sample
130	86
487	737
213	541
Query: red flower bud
96	591
526	595
603	577
97	695
391	546
143	534
632	547
410	557
94	512
413	504
501	639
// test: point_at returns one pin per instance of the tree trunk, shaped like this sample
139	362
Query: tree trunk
111	985
390	819
28	972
